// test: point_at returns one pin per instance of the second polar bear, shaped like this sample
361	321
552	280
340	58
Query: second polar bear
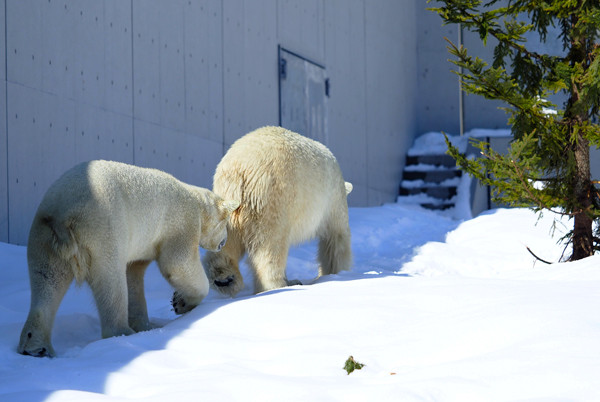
291	190
103	222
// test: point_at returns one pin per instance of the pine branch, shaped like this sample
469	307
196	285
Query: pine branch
536	257
548	146
482	20
525	186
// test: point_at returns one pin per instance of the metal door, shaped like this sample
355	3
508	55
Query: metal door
303	92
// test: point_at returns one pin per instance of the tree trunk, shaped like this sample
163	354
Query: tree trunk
583	237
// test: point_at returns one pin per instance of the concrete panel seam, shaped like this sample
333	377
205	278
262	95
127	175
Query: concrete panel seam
6	119
366	84
133	145
5	43
183	51
224	147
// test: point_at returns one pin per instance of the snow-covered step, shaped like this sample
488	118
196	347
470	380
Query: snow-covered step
411	184
427	201
432	176
430	180
439	206
425	167
431	159
441	192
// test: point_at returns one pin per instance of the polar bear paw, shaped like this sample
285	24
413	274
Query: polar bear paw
39	352
31	345
180	306
228	285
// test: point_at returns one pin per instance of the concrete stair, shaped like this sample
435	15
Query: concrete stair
430	181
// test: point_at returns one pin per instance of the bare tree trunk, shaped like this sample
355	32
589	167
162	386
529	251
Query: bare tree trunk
583	237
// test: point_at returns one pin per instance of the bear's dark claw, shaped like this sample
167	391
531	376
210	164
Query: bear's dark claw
226	282
41	352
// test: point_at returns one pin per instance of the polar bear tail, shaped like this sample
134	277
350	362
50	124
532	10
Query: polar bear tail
65	246
349	187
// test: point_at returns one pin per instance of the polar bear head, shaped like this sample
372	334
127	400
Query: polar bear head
213	223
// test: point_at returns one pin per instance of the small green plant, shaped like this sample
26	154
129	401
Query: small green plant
352	365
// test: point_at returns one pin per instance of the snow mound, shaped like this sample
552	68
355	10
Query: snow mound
437	308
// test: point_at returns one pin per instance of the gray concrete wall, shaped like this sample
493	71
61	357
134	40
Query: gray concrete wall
171	84
3	138
69	95
437	99
372	124
348	137
438	94
391	88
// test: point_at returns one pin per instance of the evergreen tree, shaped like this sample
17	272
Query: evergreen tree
547	166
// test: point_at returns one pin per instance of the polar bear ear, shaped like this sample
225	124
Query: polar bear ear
348	186
230	205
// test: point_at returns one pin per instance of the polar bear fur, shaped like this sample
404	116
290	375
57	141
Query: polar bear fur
291	190
103	222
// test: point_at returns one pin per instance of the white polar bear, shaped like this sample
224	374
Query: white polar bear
103	222
291	190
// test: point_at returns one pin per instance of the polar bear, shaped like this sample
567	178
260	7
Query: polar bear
291	190
103	222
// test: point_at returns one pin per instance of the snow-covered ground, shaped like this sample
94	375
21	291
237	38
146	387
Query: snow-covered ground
437	309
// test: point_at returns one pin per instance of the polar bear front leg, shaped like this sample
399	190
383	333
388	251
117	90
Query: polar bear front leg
183	270
268	263
222	269
137	308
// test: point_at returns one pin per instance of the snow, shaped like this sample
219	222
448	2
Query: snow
423	167
421	183
438	309
433	143
488	133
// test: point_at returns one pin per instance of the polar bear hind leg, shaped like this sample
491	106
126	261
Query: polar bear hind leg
137	308
335	252
50	279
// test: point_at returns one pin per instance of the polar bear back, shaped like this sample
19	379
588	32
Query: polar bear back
126	204
282	177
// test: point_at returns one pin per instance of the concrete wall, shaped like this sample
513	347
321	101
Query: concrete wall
391	89
3	138
172	84
438	94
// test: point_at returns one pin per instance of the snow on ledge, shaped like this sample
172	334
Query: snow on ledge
433	142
